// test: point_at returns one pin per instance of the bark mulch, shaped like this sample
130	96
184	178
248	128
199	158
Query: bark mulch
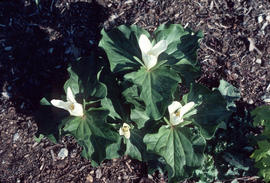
38	42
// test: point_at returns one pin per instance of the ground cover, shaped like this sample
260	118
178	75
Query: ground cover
38	42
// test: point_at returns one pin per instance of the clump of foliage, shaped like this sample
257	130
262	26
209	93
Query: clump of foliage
261	154
128	103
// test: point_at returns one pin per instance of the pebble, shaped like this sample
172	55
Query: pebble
91	42
259	61
128	2
89	179
250	101
268	18
63	153
6	95
266	98
8	48
260	19
50	50
16	136
268	88
98	173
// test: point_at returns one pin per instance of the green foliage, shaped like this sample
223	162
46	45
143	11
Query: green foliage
229	150
157	86
181	149
262	153
121	90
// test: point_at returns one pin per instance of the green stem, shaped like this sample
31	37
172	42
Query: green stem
167	121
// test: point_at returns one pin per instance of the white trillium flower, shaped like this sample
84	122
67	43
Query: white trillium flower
177	111
124	130
73	107
150	53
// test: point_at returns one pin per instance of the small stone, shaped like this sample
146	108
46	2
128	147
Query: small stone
63	153
268	18
16	136
50	50
22	105
266	98
6	95
91	42
260	19
250	101
98	173
128	2
89	179
268	88
8	48
259	61
251	44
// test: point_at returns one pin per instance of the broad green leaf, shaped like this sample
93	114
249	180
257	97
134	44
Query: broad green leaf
230	93
135	146
83	80
208	172
261	116
212	113
261	155
181	53
48	118
139	116
262	159
114	101
93	133
181	148
156	88
121	45
114	150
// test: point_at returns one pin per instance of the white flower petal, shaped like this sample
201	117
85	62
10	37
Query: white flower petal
175	120
149	61
124	130
145	44
60	104
186	108
76	109
70	96
127	134
160	47
175	105
121	131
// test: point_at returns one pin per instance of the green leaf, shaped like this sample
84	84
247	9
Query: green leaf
121	45
48	118
261	116
114	101
156	88
208	172
135	146
139	117
262	159
212	113
230	93
181	148
83	80
181	51
93	133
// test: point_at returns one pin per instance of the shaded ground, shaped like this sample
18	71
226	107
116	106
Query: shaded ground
37	42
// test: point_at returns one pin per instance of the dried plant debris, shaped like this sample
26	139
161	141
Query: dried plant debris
38	40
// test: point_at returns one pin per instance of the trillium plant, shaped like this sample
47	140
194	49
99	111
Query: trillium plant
126	99
74	108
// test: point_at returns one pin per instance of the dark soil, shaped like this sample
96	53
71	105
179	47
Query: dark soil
38	42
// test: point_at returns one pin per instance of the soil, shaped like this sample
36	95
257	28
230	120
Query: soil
38	41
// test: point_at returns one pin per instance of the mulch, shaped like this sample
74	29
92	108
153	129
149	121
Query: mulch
38	42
